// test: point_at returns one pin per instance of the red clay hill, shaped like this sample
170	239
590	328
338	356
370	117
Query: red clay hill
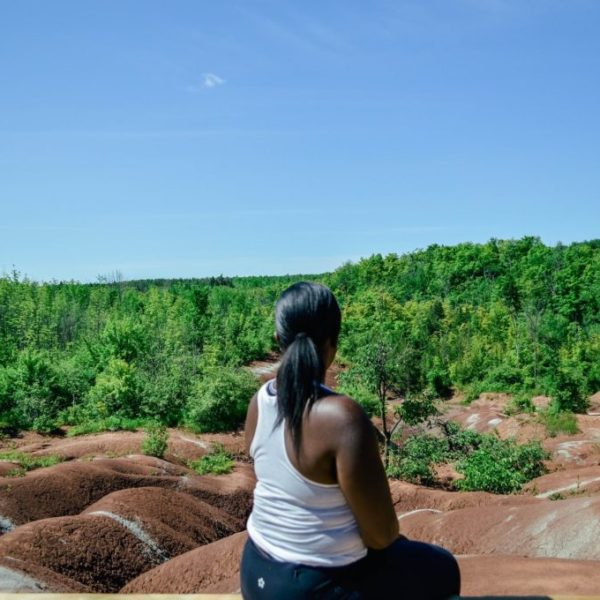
110	519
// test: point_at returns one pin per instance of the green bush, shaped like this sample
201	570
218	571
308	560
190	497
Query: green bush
219	462
415	460
219	401
570	390
415	410
521	403
124	339
165	392
500	466
117	391
34	391
155	443
559	422
461	442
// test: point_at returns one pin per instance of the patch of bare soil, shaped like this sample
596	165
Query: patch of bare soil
22	576
594	407
95	550
67	488
516	575
232	493
120	534
176	521
7	467
408	497
113	443
482	415
579	450
210	569
566	483
558	529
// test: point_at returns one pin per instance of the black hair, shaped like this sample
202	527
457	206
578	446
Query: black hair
306	316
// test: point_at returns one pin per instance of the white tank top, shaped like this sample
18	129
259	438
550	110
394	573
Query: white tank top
293	518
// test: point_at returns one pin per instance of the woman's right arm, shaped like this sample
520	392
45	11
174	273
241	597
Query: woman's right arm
361	475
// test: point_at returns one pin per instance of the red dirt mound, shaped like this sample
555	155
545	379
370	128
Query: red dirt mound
213	568
482	415
565	483
561	529
581	449
176	521
67	488
232	493
115	443
515	575
409	497
96	551
7	466
184	445
19	576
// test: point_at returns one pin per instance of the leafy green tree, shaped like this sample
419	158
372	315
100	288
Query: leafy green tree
219	399
117	391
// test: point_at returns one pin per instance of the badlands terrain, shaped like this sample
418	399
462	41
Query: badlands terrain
108	519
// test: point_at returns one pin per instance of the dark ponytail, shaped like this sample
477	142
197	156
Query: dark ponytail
306	316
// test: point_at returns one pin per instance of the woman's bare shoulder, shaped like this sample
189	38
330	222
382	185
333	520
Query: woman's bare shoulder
340	412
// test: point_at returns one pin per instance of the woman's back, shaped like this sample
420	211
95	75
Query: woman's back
295	518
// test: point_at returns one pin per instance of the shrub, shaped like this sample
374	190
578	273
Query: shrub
416	410
461	442
155	443
415	460
439	382
165	392
219	462
124	339
117	391
521	403
559	422
220	399
33	390
570	390
500	466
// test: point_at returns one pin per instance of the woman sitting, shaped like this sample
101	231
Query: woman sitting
323	524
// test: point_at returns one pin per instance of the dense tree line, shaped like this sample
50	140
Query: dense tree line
506	315
513	316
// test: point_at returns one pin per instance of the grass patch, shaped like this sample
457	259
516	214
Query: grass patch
27	462
155	442
560	422
109	424
219	462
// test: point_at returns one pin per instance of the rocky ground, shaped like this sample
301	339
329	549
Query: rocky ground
110	519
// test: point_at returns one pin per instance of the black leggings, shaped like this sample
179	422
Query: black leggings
404	570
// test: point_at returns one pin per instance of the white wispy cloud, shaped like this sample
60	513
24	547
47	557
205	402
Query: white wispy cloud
210	80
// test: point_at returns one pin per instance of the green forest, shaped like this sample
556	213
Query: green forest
509	315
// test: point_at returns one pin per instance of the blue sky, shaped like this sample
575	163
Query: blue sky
193	138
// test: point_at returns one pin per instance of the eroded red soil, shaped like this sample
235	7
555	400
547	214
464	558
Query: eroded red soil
109	518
